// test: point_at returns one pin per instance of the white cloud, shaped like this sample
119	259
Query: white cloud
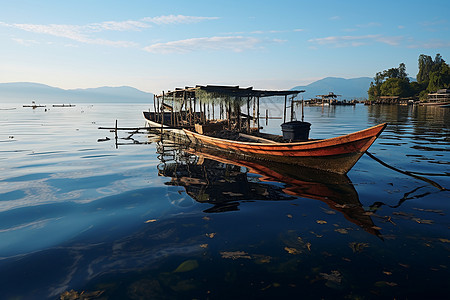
72	32
119	26
233	43
431	44
356	41
86	33
25	42
176	19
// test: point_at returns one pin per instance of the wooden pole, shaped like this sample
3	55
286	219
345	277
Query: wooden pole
303	114
172	121
115	134
285	103
162	112
257	111
248	114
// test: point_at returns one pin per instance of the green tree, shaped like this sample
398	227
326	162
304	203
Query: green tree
440	78
425	66
395	87
373	92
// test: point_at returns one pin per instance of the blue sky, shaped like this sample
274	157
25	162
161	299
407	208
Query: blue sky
160	45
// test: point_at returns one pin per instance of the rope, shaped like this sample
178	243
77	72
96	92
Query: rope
433	183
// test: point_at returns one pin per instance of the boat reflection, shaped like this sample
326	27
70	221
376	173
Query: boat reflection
224	181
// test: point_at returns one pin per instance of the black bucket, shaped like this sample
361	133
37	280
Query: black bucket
296	130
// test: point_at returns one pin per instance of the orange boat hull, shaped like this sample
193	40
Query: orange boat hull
337	155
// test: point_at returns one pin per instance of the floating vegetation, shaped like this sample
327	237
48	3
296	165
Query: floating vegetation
235	254
334	279
187	266
422	221
293	251
341	230
358	247
385	283
74	295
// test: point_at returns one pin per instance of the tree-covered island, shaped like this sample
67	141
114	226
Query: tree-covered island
432	76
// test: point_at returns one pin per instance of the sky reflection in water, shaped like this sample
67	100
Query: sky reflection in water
129	223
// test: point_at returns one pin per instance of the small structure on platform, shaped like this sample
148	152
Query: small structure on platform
440	97
328	98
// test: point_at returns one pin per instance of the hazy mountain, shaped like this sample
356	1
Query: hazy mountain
25	92
354	88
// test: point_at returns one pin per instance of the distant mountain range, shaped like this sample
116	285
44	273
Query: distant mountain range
354	88
25	92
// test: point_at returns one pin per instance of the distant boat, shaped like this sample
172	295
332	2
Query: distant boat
63	105
34	105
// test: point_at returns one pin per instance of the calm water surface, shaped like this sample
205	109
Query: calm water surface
147	220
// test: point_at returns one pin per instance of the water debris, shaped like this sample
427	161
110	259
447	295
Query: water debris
316	234
444	240
211	235
328	211
334	279
437	211
104	140
289	216
231	194
206	218
235	254
321	222
293	251
187	266
204	246
387	273
74	295
341	230
150	221
262	259
422	221
358	247
385	283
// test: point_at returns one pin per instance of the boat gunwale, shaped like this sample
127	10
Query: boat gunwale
325	142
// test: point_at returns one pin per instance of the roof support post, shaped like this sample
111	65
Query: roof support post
257	112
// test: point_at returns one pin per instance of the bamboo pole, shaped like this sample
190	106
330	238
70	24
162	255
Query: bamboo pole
248	114
162	112
257	112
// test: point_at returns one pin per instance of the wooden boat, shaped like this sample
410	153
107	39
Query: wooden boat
336	155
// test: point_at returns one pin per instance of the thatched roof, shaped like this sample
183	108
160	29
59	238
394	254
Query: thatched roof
228	91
